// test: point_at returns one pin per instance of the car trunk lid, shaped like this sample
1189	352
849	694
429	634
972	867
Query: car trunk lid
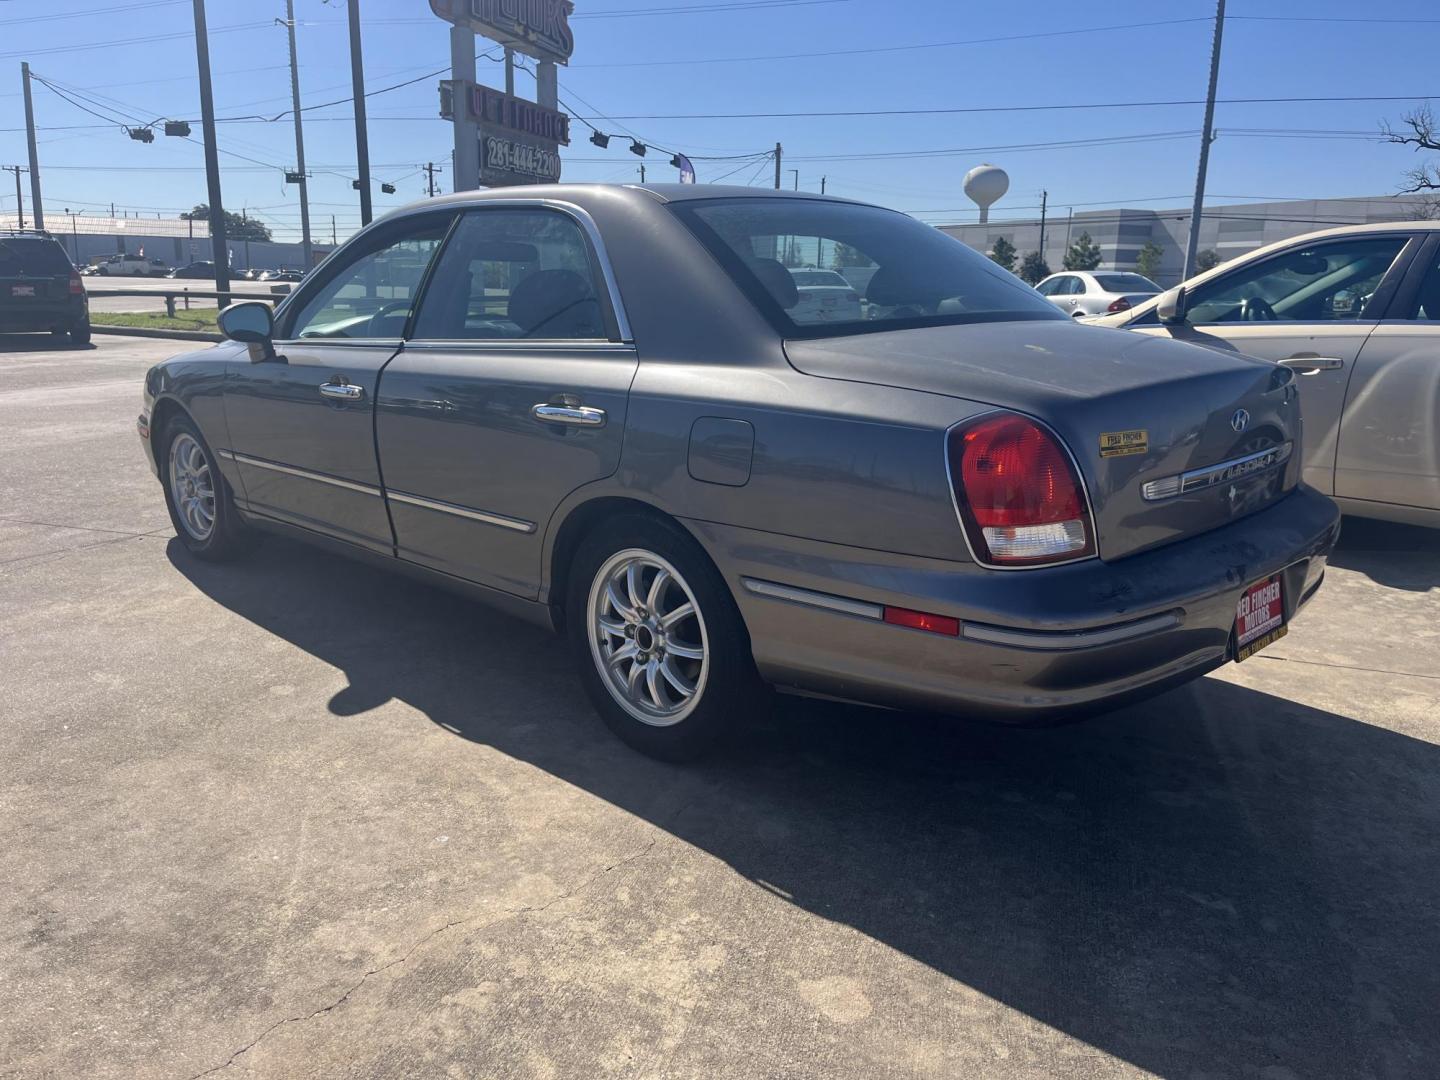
1132	410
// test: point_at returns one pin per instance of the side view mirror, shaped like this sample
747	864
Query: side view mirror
250	323
1170	308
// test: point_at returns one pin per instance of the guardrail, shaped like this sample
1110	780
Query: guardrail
274	296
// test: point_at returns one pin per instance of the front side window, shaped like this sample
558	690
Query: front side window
1324	283
515	274
919	276
371	296
1048	287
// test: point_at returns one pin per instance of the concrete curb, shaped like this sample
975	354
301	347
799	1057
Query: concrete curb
143	331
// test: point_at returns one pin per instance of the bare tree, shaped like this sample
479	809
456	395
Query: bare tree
1420	130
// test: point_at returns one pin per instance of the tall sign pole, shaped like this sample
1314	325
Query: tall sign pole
466	171
778	151
299	139
362	141
1207	136
218	246
34	157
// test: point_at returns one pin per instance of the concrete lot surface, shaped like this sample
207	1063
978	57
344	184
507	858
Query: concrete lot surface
293	817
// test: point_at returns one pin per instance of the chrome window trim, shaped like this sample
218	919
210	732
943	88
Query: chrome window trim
1074	463
393	344
810	598
303	474
1060	640
549	346
1207	477
487	518
581	217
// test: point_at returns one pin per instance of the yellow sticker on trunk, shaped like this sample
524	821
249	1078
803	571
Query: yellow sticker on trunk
1124	443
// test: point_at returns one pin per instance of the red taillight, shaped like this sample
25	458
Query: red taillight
76	285
1019	496
923	620
1118	305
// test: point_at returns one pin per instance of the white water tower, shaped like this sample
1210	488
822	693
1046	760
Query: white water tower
985	184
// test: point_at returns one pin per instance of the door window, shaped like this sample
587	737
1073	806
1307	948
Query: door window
1427	304
1049	288
371	296
515	275
1323	283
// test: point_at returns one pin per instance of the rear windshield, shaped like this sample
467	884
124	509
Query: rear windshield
917	275
26	255
1129	283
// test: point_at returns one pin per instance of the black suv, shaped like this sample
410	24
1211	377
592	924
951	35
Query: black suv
39	287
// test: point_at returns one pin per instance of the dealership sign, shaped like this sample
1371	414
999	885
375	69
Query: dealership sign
507	159
538	28
501	110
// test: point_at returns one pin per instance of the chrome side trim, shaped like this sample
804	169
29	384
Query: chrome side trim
1198	479
303	474
1059	640
499	520
811	598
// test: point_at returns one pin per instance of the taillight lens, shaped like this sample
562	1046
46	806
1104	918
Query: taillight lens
1118	305
76	285
1019	496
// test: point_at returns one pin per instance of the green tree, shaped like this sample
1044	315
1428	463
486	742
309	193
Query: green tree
845	255
1084	254
236	226
1148	261
1207	260
1002	254
1033	268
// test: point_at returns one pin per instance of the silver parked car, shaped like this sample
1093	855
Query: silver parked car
1355	312
824	296
1096	292
604	409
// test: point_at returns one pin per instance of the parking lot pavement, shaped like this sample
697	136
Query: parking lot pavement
293	817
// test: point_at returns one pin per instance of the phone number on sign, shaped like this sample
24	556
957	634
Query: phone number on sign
520	158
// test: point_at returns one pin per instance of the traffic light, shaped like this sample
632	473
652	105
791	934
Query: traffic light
388	189
178	128
143	134
294	178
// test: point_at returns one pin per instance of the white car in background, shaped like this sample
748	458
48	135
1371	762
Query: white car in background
1096	292
825	296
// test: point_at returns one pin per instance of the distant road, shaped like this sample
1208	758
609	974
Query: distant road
160	285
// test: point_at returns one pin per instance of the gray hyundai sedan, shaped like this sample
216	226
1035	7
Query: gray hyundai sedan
605	410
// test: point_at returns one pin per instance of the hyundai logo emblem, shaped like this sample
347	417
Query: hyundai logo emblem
1241	420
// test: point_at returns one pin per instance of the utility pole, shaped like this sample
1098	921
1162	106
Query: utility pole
362	142
1207	136
642	172
797	178
822	184
299	139
34	157
430	179
1044	197
218	247
778	151
245	223
19	198
333	242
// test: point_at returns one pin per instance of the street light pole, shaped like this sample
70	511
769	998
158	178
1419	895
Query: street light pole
1207	136
299	139
362	142
218	247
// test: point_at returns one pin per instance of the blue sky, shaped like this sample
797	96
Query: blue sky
624	66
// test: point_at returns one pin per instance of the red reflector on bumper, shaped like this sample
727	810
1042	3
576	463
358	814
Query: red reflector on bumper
922	620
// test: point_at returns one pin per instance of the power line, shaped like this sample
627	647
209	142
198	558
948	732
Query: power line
129	41
91	11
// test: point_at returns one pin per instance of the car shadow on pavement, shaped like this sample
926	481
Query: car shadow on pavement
1390	554
1218	882
32	343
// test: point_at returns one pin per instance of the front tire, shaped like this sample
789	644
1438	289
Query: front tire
197	496
661	646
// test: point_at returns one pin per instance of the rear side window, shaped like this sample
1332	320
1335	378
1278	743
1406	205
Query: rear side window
1427	306
515	274
1126	283
918	276
32	256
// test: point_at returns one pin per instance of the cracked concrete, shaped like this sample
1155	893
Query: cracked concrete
290	818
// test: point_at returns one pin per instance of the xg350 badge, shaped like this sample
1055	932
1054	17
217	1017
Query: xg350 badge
1124	443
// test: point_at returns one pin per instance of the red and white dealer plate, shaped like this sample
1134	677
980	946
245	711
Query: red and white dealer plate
1259	617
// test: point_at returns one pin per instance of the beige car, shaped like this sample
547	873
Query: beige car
1355	312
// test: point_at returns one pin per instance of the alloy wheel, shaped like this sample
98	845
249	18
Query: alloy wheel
192	486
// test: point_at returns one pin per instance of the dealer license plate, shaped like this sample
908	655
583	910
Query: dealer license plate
1259	617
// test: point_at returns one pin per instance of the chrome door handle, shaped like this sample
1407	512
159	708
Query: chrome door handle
578	415
342	391
1309	363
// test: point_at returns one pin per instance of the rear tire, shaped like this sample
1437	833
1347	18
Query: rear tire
661	646
80	333
200	502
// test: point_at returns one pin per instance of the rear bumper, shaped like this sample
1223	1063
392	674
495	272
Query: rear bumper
1035	646
34	318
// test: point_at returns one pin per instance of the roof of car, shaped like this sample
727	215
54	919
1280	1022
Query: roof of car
580	193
